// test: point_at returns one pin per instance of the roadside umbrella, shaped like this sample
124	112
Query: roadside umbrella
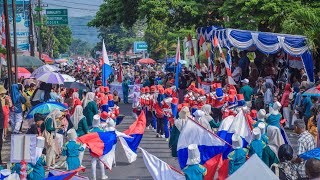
28	61
126	63
68	78
61	60
50	77
22	72
44	68
147	61
74	85
45	109
315	91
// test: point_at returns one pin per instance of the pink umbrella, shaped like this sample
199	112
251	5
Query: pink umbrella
22	72
147	61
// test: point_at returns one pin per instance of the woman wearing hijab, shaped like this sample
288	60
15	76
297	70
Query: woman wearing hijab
270	153
176	129
16	108
49	133
90	108
76	101
199	116
285	103
207	111
274	117
268	95
79	121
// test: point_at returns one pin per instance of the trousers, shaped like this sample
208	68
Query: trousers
160	126
51	154
16	121
94	161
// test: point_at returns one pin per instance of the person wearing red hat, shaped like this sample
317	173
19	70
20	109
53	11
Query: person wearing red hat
218	102
159	112
152	101
135	100
142	98
166	105
147	108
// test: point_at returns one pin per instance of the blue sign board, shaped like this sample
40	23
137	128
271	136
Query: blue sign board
140	46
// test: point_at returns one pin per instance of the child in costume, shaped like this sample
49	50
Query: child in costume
38	172
262	126
274	117
261	115
257	145
194	170
96	128
72	150
238	156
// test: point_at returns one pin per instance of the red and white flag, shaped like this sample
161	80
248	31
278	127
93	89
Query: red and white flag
178	54
203	44
189	45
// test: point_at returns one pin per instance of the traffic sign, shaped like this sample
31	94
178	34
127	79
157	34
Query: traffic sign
140	46
57	17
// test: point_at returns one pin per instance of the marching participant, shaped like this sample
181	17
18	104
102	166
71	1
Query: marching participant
166	105
218	102
72	150
153	100
238	156
135	100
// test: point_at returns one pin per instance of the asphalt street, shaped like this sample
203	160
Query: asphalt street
137	169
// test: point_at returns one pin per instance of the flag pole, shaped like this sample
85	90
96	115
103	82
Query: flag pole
209	131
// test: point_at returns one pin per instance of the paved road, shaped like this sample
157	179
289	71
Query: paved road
136	170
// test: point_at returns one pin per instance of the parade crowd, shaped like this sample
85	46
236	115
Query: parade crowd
270	97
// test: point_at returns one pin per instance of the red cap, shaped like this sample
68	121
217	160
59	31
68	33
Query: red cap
161	91
77	102
101	89
147	89
196	90
110	97
218	85
104	101
100	95
159	86
168	91
106	89
99	83
253	113
240	97
104	115
180	107
142	90
175	100
214	86
202	92
153	88
185	104
191	87
172	81
232	92
231	98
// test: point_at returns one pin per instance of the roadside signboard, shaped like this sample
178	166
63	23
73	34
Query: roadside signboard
140	46
57	17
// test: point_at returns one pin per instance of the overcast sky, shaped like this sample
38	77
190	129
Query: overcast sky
76	8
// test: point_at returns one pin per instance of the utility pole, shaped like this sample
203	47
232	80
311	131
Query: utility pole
15	40
40	25
31	40
8	43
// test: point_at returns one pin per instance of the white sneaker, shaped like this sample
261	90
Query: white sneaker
163	136
104	177
148	127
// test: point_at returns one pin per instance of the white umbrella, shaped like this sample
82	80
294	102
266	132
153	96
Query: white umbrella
44	68
51	77
68	78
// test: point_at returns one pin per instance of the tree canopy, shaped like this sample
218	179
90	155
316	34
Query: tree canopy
167	20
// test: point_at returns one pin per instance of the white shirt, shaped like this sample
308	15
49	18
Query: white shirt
236	73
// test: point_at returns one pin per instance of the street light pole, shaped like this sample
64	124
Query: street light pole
14	40
8	43
31	40
40	25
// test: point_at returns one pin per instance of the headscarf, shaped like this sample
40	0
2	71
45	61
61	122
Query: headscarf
89	97
199	116
56	113
75	95
207	111
275	138
183	118
77	116
47	91
15	94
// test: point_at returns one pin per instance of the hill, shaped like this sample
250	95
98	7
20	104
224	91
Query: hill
80	30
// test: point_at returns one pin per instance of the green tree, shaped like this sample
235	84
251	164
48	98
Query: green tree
79	47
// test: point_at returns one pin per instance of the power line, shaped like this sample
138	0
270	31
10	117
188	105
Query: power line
72	7
79	3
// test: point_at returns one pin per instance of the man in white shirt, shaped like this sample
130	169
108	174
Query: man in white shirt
236	74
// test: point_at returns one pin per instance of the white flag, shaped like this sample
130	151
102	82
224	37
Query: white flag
158	169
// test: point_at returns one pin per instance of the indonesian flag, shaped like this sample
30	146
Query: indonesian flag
189	45
178	56
228	69
203	44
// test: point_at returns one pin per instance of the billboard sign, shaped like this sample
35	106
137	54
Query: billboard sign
140	46
57	17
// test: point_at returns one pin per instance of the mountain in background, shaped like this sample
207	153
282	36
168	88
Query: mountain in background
80	30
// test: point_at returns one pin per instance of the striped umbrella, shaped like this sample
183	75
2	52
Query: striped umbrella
50	77
315	91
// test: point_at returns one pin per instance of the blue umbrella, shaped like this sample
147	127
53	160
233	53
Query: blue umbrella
315	91
45	108
314	153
